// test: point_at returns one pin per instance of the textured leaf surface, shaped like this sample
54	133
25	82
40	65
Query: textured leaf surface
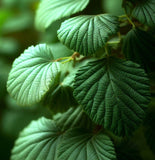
113	92
86	34
39	141
61	90
145	12
74	117
60	97
51	10
31	75
139	47
80	144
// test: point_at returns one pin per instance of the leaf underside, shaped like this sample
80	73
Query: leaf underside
114	93
52	10
86	34
31	75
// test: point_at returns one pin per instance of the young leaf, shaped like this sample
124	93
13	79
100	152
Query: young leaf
52	10
138	46
32	74
80	144
38	141
86	34
114	93
144	11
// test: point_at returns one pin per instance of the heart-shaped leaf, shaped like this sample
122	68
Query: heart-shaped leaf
31	75
86	34
52	10
114	93
39	141
80	144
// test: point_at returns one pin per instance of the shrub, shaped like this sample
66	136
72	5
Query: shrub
97	85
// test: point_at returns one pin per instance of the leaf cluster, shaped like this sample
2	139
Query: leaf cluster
98	76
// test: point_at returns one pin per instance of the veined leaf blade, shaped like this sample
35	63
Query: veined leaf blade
86	34
52	10
114	93
31	75
81	144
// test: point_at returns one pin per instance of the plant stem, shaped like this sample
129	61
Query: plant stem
130	21
122	16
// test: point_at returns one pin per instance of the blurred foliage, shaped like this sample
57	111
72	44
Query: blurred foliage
17	32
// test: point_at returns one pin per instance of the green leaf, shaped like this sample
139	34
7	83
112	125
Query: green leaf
59	50
73	118
39	141
52	10
113	92
31	75
138	46
80	144
61	90
145	12
86	34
